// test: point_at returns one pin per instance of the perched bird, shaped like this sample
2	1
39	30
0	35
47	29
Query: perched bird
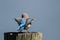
24	23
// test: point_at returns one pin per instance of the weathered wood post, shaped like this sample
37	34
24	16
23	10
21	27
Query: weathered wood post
22	36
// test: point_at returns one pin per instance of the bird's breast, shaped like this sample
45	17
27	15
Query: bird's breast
29	25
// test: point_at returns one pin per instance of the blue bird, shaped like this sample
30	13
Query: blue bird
24	23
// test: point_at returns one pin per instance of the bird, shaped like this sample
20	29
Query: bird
28	23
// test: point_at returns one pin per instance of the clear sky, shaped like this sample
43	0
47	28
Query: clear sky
47	13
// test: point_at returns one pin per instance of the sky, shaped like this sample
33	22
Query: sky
46	13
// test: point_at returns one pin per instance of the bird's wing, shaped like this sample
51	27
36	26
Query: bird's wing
18	20
29	20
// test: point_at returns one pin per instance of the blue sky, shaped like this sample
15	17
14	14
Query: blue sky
47	13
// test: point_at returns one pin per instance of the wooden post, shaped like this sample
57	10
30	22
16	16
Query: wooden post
23	36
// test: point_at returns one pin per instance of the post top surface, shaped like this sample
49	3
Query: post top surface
22	32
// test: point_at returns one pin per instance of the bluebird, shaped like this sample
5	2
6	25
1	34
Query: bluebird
24	23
